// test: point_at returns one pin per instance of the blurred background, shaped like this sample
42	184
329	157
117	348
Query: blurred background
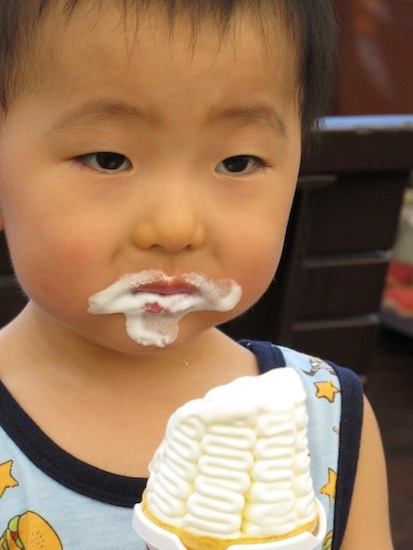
376	57
376	78
344	290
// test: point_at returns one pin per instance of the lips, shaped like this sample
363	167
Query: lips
165	288
155	308
161	292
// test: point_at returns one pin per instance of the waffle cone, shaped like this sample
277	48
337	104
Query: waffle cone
196	541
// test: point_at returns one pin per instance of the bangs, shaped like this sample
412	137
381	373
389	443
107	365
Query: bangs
309	23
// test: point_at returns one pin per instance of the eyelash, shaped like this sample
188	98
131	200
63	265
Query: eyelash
115	161
241	164
253	164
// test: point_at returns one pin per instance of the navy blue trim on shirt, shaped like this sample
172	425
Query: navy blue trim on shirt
62	466
268	355
348	454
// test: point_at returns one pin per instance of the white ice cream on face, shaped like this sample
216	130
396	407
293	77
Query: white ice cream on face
236	462
152	316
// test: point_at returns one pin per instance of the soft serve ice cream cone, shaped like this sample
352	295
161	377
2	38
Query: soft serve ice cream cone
233	471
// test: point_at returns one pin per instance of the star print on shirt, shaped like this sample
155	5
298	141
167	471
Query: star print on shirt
317	365
329	488
7	481
326	390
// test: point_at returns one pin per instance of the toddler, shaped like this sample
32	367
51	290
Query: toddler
149	154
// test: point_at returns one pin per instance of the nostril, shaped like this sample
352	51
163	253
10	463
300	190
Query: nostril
172	235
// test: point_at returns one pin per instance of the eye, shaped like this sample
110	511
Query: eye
240	164
106	161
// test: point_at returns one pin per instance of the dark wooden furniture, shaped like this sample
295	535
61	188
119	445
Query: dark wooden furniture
376	69
325	299
12	298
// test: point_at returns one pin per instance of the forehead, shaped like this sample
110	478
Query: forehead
96	33
118	55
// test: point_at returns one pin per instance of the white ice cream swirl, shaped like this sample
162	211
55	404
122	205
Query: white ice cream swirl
236	463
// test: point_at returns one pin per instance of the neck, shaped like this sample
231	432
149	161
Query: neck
45	349
64	381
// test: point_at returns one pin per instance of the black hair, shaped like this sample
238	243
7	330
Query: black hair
310	22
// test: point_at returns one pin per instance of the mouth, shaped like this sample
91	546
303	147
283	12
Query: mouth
165	288
161	292
154	303
155	308
153	291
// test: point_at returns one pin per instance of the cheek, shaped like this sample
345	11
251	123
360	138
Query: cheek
52	269
262	241
258	271
257	262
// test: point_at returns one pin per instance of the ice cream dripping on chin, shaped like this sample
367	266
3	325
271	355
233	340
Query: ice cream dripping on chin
153	302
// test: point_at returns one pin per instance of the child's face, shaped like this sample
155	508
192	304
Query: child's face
76	221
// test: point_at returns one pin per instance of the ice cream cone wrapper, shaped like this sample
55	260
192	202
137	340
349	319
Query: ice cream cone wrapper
157	537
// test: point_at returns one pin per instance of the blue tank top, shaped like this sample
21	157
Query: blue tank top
76	505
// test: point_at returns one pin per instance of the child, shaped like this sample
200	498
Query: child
149	153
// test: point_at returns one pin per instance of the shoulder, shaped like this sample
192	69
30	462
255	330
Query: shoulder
368	524
329	382
361	516
335	407
362	513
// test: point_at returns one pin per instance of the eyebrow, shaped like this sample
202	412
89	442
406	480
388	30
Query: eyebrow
103	110
112	111
261	113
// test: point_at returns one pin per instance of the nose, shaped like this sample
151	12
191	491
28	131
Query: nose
171	217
